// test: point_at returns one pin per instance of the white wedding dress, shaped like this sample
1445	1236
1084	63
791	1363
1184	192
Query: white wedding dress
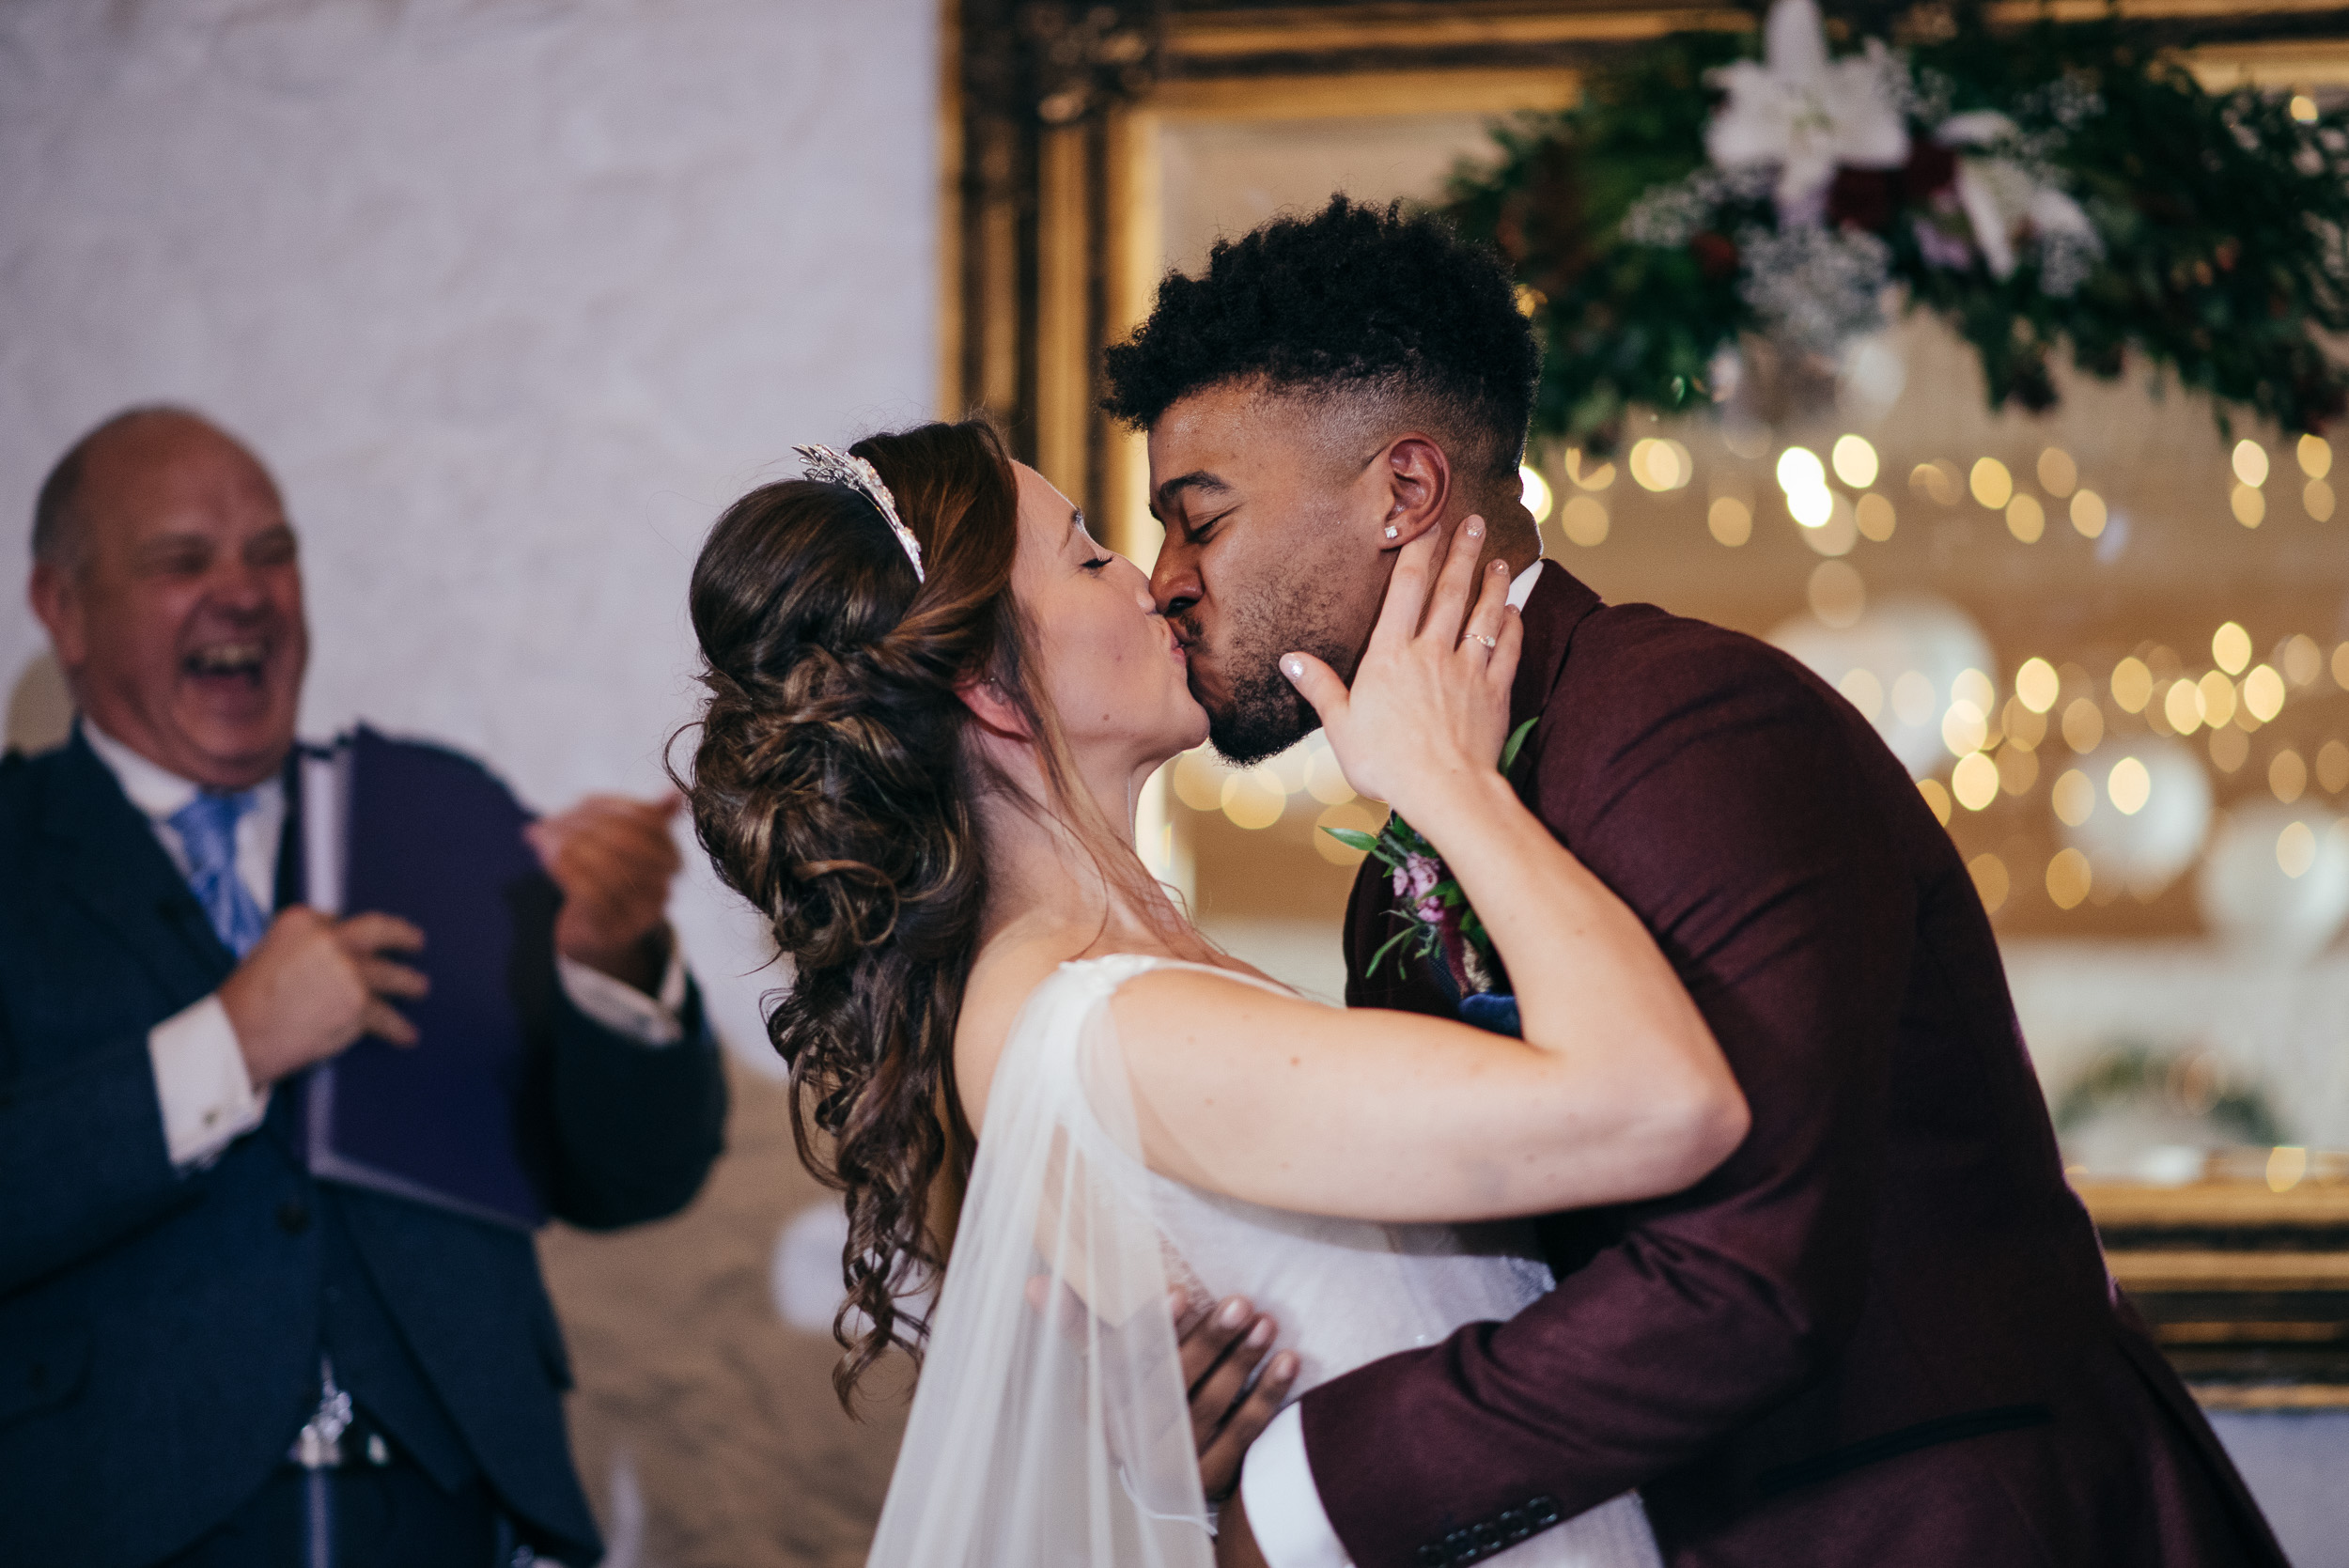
1049	1425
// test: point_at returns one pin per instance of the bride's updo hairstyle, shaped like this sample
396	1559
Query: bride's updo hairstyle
833	788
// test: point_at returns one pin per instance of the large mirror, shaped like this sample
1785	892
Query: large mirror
2110	643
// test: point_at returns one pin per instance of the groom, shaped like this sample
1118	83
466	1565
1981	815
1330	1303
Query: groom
1882	1333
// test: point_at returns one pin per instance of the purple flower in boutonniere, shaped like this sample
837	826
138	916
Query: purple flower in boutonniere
1435	916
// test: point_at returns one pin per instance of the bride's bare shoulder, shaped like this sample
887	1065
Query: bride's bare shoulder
1005	973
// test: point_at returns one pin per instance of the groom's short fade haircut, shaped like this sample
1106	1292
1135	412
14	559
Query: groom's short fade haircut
1377	303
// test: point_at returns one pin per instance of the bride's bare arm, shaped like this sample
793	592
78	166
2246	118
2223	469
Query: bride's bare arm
1617	1091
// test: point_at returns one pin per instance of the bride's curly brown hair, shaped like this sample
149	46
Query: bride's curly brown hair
833	788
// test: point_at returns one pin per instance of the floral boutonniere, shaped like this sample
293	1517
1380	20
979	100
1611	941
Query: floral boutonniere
1435	915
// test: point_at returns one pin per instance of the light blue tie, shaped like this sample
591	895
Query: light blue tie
208	831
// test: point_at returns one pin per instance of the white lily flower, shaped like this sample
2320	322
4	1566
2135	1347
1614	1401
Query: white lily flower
1806	113
1999	197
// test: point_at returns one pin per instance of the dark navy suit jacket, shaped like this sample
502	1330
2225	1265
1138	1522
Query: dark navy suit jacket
160	1331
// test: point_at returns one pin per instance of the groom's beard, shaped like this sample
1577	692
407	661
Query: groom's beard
1258	713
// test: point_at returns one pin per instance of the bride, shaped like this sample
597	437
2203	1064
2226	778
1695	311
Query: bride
933	701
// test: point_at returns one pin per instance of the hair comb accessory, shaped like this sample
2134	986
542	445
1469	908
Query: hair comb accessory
828	467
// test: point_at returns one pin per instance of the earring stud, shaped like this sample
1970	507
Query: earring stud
1393	530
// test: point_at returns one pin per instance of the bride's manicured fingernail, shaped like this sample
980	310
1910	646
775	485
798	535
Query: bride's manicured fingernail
1476	528
1500	565
1293	667
1260	1335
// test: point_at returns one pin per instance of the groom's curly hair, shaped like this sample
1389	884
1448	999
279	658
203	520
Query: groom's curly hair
1350	301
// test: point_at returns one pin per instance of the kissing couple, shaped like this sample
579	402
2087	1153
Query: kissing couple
1750	1248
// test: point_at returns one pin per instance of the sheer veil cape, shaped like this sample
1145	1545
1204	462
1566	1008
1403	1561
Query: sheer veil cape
1049	1425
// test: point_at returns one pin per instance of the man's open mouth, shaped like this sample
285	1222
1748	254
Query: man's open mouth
229	662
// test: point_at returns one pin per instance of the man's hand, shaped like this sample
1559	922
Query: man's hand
1220	1348
1234	1542
312	984
613	859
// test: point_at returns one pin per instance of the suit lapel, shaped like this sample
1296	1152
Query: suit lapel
102	853
1557	605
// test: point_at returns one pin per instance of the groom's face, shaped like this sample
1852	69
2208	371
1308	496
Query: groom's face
1272	546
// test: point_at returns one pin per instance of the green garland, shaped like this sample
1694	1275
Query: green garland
2220	217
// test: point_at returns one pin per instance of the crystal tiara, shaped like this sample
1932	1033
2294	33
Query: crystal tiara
838	468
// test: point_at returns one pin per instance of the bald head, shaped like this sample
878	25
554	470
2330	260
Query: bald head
165	571
59	519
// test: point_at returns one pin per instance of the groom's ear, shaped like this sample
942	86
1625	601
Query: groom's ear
1416	483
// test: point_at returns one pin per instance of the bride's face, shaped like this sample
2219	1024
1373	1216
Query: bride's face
1110	663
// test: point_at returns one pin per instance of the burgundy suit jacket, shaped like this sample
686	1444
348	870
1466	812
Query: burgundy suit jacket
1882	1334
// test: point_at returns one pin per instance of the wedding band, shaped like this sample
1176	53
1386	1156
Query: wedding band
1489	642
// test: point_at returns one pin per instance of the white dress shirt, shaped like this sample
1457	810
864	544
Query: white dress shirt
209	1101
1276	1483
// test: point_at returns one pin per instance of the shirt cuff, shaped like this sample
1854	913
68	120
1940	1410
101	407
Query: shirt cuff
1284	1511
208	1098
620	1007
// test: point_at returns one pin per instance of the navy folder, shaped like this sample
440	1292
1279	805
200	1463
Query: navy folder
430	837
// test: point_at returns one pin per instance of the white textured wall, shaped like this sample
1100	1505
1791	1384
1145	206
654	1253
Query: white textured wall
513	294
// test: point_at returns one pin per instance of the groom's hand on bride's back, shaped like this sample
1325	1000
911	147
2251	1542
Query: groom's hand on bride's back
1221	1347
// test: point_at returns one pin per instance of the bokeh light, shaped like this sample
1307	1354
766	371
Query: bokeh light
1876	516
2230	646
2083	725
2069	878
1595	478
2088	515
2263	693
1583	519
1974	780
1730	520
1350	817
2128	786
2219	699
1252	798
2038	685
1990	880
2287	776
1992	485
2059	475
2132	685
1800	468
2074	798
2026	519
2181	706
1837	595
1658	464
1855	461
1535	491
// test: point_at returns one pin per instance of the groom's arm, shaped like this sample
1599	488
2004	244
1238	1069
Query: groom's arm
1750	821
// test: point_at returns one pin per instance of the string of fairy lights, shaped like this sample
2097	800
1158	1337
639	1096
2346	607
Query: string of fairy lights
2053	715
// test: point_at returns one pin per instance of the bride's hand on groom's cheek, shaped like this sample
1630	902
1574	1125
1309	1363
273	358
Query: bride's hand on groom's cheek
1429	705
1221	1347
